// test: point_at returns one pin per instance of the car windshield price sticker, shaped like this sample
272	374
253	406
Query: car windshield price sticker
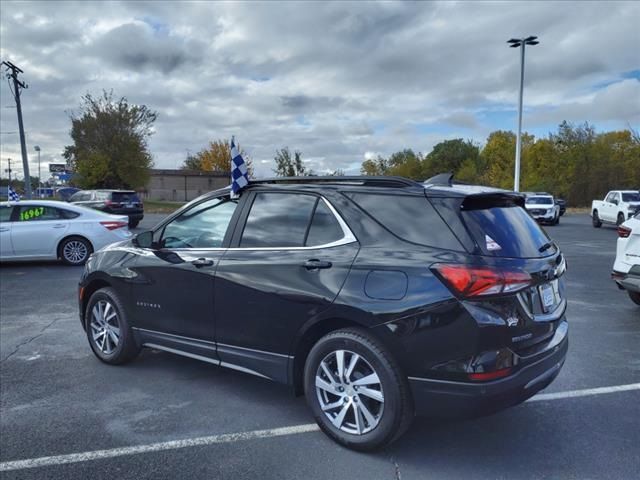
31	213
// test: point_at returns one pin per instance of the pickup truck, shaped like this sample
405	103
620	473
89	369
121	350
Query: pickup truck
616	208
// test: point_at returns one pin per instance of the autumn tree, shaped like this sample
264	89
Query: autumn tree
216	157
110	147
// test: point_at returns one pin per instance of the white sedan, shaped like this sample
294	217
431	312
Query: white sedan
48	230
626	269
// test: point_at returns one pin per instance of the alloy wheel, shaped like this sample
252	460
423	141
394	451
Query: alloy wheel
75	251
349	392
105	327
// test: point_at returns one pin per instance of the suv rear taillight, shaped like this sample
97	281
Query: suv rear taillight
113	224
623	232
469	281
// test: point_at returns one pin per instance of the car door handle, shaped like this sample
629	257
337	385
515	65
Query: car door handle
202	262
315	264
59	225
4	229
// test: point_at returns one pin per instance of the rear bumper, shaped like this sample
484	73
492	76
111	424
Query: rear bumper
628	281
442	398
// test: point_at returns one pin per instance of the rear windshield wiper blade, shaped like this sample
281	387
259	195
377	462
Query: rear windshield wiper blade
545	247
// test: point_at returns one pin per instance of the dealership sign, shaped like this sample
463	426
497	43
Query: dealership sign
57	167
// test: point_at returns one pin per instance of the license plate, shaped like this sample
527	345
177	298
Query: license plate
548	297
129	205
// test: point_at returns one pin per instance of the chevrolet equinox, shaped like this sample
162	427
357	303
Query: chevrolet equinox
378	298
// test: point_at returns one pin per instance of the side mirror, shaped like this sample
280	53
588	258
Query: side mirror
144	239
615	201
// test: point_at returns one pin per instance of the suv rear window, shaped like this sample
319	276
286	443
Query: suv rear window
499	228
410	217
125	197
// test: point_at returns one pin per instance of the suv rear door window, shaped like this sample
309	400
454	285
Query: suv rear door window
278	220
324	227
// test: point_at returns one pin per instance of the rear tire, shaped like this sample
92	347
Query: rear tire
75	251
595	219
620	219
133	223
367	406
108	329
634	296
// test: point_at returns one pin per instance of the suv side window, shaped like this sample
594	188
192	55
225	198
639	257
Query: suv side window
409	217
324	227
203	226
278	220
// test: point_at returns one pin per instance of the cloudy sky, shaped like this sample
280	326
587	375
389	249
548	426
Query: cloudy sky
339	81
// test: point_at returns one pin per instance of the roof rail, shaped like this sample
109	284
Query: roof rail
372	181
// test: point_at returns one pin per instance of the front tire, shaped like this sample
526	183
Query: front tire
634	296
75	251
595	219
620	219
108	329
133	223
356	391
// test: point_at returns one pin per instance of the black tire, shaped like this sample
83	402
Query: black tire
557	220
634	296
620	219
595	219
126	348
75	251
392	416
133	223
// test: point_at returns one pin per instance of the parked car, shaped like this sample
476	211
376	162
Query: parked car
118	202
626	269
50	230
542	207
562	205
617	206
65	193
376	297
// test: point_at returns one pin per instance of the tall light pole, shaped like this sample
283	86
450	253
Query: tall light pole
37	149
514	43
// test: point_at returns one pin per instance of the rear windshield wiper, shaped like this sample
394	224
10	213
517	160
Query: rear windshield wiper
545	247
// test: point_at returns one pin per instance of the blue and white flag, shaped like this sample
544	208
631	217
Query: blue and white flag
239	172
13	195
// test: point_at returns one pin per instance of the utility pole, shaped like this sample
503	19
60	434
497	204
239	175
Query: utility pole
12	74
37	149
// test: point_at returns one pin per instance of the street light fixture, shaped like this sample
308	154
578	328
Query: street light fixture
37	149
514	43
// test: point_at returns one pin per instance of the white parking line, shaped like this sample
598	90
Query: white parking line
238	437
155	447
585	393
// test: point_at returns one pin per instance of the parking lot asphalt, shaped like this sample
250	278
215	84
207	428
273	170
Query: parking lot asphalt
57	399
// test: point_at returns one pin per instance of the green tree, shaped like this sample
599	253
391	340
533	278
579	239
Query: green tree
110	147
290	166
373	167
192	162
450	155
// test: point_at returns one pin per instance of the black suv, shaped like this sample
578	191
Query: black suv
377	297
117	202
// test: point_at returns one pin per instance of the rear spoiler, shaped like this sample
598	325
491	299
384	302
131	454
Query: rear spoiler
481	201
